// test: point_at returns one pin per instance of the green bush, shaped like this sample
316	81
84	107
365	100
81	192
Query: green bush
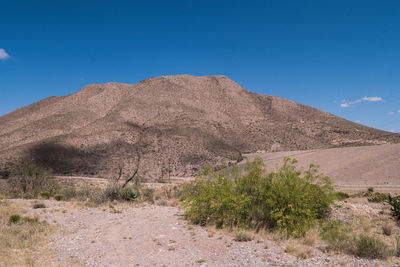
379	197
339	237
289	200
58	197
14	218
45	195
128	193
341	195
371	247
39	206
394	202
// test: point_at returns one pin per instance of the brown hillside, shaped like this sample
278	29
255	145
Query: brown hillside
177	122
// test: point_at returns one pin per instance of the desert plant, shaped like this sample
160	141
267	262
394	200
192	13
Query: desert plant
243	236
128	193
68	192
379	197
367	246
148	195
14	218
29	177
288	199
338	236
387	228
45	195
397	247
341	195
394	202
58	197
39	206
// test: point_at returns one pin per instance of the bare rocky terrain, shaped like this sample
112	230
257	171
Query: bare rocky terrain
175	124
152	235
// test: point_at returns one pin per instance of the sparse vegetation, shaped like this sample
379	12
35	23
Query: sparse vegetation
394	202
338	236
367	246
39	206
19	235
341	195
387	228
288	200
341	238
379	197
58	197
45	195
14	218
28	179
243	236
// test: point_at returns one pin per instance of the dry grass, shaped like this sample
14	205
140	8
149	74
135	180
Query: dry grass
298	249
387	228
243	236
311	237
21	242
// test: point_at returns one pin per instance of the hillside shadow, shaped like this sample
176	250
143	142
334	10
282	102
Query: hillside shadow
64	160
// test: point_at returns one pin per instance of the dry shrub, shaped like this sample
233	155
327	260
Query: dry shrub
387	228
243	236
299	250
311	237
29	179
368	246
19	239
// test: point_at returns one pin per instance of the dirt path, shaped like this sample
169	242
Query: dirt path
150	235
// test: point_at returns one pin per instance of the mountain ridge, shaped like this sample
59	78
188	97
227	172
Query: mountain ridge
178	122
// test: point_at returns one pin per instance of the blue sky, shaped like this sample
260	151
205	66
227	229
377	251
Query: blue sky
339	56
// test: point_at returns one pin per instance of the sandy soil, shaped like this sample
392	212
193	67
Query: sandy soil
150	235
351	168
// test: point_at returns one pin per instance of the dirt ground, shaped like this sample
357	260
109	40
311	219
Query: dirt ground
149	235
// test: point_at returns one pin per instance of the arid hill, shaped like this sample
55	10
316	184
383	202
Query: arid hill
174	124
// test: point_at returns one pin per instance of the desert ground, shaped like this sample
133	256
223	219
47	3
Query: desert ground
144	234
121	234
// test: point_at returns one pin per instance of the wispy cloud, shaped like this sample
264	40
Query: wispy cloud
365	98
3	54
390	113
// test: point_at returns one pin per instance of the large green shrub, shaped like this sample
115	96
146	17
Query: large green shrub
288	199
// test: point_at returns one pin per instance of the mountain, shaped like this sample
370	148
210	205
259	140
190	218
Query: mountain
174	124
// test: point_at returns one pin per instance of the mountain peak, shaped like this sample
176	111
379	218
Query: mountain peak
181	121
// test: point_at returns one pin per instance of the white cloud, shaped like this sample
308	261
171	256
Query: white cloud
398	110
365	98
3	54
372	98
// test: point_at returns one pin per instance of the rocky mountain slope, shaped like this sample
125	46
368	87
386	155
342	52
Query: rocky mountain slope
169	124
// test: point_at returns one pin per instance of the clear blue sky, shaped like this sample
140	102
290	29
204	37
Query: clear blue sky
339	56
